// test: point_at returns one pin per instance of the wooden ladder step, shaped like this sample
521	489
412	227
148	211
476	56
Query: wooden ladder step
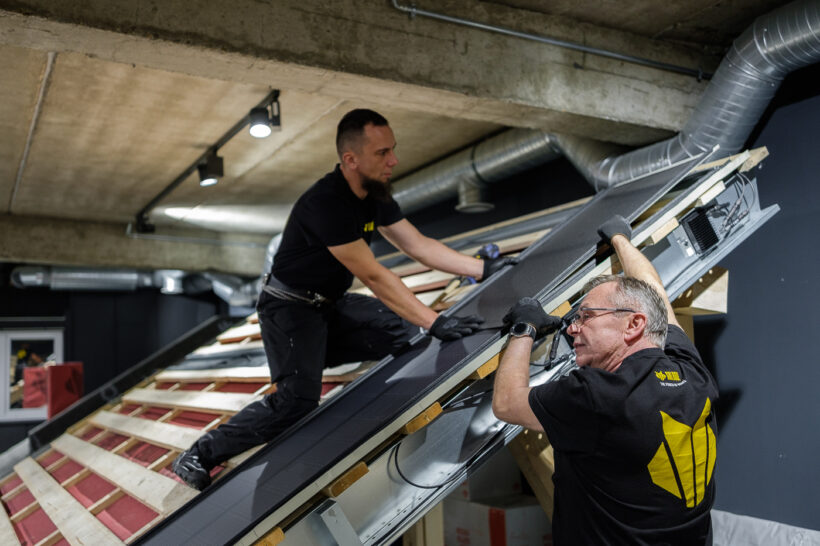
162	494
75	523
217	402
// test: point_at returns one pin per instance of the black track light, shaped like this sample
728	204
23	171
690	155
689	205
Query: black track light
265	119
211	171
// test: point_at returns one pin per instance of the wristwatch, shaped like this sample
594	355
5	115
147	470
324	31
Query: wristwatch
521	329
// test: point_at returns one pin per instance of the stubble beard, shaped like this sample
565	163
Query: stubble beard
380	191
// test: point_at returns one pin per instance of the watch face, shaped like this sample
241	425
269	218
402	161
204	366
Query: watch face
519	329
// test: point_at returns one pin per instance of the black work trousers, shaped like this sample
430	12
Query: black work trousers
300	341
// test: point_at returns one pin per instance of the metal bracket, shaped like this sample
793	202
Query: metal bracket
338	524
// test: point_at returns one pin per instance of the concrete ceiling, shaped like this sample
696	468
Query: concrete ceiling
104	103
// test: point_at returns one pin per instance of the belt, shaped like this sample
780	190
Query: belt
278	289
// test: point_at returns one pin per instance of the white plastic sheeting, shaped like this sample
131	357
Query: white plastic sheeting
734	530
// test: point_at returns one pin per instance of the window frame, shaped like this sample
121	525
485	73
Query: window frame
7	336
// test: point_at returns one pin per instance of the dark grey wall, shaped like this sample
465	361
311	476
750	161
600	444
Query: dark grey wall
108	332
763	351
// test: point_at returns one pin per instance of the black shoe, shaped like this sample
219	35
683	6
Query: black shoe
189	467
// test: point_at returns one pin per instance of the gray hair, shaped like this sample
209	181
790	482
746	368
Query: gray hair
636	294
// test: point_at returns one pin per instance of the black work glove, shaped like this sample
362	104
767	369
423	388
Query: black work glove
612	227
452	327
530	311
492	265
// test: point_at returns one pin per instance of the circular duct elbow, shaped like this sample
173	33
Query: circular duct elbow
492	160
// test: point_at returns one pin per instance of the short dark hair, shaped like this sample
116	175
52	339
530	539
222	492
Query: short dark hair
352	126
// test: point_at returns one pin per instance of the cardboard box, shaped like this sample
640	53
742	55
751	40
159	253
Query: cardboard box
511	521
498	477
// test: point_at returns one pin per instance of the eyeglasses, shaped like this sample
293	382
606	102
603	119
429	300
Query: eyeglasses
581	317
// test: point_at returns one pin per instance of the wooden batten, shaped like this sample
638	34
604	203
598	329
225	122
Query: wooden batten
74	522
165	435
534	456
340	484
162	494
272	537
708	296
215	402
487	368
422	420
755	157
7	534
240	374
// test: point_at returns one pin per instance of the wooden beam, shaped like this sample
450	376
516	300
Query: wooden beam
428	531
162	494
241	374
709	295
162	434
534	456
755	156
75	523
7	534
215	402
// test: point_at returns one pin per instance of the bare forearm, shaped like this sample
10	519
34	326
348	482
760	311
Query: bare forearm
638	266
439	256
395	295
511	387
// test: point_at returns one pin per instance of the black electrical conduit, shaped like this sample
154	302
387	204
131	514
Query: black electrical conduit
697	73
141	222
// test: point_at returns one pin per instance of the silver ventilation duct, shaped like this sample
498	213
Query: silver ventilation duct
777	43
494	159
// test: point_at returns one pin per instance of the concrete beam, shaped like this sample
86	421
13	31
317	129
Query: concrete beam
51	241
366	50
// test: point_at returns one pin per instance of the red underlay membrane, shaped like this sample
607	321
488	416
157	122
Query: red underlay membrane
153	413
240	387
193	419
34	527
90	489
19	501
50	458
193	386
164	385
126	516
128	408
109	440
65	471
144	453
10	484
327	387
89	433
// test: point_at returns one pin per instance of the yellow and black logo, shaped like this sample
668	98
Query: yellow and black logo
668	376
368	227
685	460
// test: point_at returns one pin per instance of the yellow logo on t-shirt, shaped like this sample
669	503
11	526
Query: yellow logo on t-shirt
668	376
368	227
685	460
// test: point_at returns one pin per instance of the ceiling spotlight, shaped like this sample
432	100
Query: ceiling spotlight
265	119
211	171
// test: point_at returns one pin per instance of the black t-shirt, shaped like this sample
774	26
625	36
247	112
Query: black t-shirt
634	449
327	214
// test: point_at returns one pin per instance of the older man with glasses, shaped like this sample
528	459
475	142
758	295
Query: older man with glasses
633	429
